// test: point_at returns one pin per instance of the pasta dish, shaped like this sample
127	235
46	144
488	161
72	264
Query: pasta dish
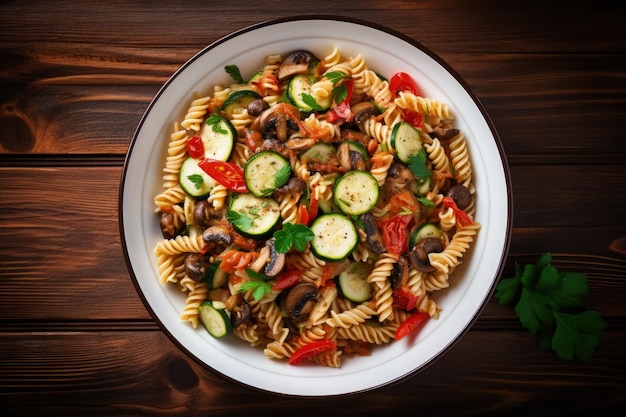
313	208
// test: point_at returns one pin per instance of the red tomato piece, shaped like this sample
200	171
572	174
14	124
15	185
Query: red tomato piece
461	216
288	279
404	299
226	173
411	325
403	202
310	349
313	209
394	233
401	81
413	117
303	215
195	148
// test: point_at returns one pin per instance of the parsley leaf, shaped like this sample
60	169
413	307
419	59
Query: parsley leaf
548	303
292	235
282	175
335	76
240	220
196	179
215	121
417	165
233	71
309	100
257	275
259	288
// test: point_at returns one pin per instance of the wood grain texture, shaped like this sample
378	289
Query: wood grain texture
75	79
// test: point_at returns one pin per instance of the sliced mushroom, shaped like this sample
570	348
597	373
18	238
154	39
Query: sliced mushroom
217	234
240	314
461	196
279	120
297	62
169	226
256	107
419	255
374	235
204	213
300	144
357	161
363	111
261	260
295	186
343	154
300	300
276	263
195	266
400	272
444	133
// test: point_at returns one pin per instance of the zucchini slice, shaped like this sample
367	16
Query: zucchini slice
424	231
266	171
406	140
353	282
253	216
320	152
237	101
335	237
218	138
215	319
215	277
300	94
193	179
356	192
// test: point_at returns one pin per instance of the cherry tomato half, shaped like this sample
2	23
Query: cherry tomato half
226	173
394	233
195	148
401	81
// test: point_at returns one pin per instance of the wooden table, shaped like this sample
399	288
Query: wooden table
76	77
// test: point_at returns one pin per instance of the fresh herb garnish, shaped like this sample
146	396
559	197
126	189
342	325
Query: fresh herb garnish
292	235
257	275
282	175
426	202
196	179
549	305
417	165
309	100
233	71
215	121
259	288
240	220
335	76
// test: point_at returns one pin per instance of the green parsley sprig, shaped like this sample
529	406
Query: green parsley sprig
292	235
548	303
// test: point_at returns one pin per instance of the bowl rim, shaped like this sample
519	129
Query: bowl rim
341	19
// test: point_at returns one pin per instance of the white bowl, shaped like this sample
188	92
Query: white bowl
387	52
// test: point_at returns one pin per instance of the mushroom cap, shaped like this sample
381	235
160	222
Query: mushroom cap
363	111
217	234
297	62
419	255
278	120
276	262
461	196
300	300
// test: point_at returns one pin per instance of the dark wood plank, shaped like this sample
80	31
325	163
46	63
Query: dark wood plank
131	373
